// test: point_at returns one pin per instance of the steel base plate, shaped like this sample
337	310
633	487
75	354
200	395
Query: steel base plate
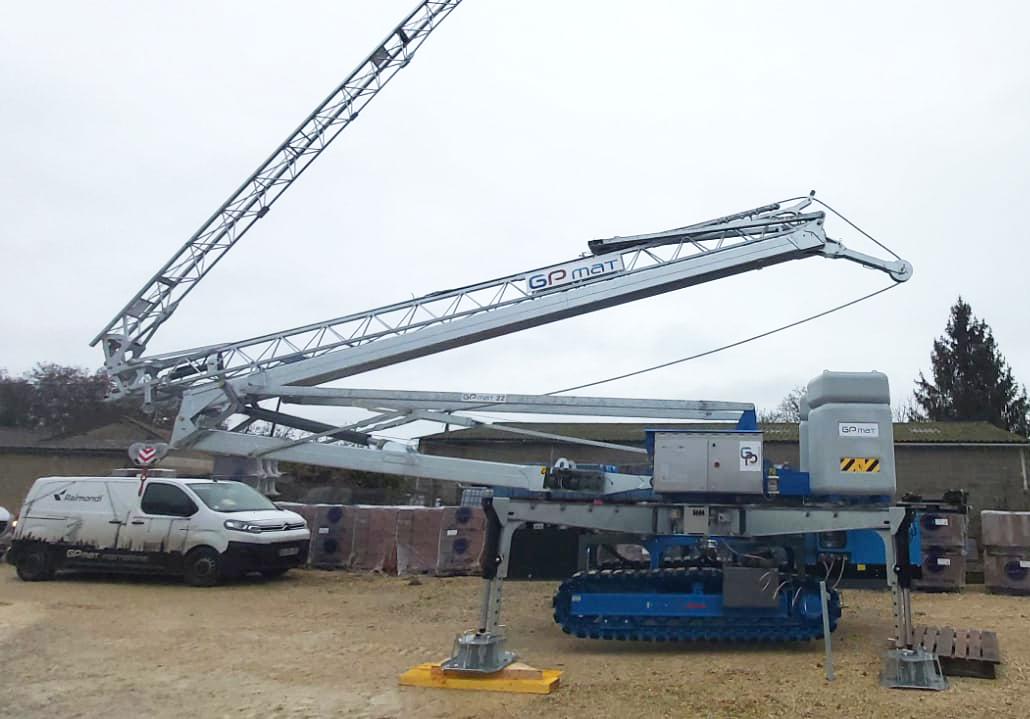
912	669
479	652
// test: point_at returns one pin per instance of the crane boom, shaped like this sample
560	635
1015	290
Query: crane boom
126	336
219	381
640	266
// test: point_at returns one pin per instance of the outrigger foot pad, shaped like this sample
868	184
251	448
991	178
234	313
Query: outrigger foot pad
912	669
480	652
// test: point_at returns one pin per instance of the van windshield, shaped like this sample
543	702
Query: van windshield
231	497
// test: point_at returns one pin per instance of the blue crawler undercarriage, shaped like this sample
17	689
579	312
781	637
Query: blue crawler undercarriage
685	604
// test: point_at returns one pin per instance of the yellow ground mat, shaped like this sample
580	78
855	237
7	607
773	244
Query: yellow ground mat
516	677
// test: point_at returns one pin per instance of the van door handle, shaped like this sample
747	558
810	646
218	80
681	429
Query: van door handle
138	521
115	521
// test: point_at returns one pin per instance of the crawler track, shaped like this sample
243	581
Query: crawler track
797	616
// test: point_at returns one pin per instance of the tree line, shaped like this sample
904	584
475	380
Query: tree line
969	381
59	400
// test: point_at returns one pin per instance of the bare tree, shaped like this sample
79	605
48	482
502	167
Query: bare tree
788	410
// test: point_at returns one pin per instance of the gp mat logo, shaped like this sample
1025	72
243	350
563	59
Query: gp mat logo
65	496
858	429
551	277
859	464
91	555
750	454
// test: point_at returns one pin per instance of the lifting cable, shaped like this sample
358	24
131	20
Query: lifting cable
763	334
728	346
705	353
738	343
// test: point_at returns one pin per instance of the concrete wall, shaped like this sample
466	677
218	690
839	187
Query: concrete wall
19	469
993	476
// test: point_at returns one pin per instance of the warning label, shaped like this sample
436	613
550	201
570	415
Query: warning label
859	464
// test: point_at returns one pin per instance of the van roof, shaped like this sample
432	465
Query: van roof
193	480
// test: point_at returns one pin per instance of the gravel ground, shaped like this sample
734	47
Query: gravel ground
319	644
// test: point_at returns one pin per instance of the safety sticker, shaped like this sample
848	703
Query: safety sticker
859	464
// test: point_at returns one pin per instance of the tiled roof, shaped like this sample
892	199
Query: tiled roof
12	438
904	432
115	437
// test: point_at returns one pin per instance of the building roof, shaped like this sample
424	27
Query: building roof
114	437
109	440
633	432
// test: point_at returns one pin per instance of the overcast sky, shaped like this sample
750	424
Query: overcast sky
521	131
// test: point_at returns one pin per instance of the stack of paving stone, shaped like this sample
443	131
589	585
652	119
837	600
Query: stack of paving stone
942	541
1006	542
374	547
462	534
332	536
444	541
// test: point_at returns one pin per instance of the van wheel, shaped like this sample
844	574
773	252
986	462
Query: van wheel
203	567
35	565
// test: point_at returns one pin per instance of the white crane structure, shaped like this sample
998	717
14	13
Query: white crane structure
227	383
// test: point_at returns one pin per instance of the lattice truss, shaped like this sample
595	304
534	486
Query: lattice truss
738	242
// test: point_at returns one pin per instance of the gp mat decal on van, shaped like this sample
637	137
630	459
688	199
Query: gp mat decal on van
85	556
859	464
93	555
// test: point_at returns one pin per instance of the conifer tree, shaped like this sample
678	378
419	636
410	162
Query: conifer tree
971	379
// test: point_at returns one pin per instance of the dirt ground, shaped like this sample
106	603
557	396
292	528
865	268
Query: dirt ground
320	644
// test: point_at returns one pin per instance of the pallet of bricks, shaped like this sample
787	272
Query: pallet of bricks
942	541
445	541
1006	542
394	540
331	527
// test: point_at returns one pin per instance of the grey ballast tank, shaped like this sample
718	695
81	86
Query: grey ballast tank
849	435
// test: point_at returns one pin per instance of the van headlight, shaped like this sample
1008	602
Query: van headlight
239	526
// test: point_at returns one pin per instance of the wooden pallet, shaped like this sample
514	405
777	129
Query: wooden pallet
962	652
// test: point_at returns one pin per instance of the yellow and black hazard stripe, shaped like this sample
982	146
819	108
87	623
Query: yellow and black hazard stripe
859	464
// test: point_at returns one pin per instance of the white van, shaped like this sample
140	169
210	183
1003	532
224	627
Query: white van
5	529
200	528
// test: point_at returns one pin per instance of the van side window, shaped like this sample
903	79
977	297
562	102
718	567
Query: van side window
166	499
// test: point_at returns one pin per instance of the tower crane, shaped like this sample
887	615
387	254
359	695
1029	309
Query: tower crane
730	517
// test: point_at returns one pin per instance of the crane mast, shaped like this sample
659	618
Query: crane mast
127	334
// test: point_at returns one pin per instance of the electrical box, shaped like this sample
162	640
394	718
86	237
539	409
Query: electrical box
706	462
